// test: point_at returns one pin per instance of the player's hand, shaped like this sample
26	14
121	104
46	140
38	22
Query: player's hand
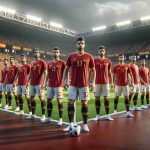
92	86
66	84
14	85
112	86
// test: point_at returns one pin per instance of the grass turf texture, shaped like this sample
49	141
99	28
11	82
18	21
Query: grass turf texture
91	106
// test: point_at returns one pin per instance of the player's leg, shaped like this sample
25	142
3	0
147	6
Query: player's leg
40	93
59	97
135	98
143	92
16	98
72	96
9	96
19	93
131	96
32	101
27	96
50	96
147	95
118	91
1	94
105	88
127	103
84	97
97	93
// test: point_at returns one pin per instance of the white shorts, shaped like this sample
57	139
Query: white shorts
57	92
75	92
145	89
122	89
22	90
10	88
36	90
101	89
135	88
2	87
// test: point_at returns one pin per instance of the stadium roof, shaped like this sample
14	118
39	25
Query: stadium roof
82	15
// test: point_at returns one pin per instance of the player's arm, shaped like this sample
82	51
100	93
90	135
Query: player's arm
15	79
65	76
28	79
5	79
92	77
111	77
45	75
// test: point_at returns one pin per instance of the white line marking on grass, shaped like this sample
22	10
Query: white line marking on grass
101	117
36	117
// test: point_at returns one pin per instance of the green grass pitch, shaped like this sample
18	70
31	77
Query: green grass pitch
91	106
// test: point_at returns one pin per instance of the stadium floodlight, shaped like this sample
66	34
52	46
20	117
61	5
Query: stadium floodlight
145	18
54	24
99	28
33	18
10	11
123	23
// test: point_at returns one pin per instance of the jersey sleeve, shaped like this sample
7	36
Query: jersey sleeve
44	65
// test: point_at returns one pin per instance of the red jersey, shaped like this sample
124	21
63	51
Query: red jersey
102	67
121	72
144	74
11	73
135	72
22	75
3	74
80	65
55	70
37	72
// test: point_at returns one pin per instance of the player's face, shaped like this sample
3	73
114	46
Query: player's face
56	53
143	63
23	59
121	58
101	52
80	45
37	54
12	60
5	62
133	58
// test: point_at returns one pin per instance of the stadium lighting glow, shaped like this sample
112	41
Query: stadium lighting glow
145	18
33	18
123	23
99	28
10	11
56	25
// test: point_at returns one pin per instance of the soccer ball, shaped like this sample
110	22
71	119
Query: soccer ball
74	130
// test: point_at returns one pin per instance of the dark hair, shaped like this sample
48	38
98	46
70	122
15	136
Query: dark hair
80	39
56	48
12	57
133	55
5	59
23	55
101	47
36	49
121	55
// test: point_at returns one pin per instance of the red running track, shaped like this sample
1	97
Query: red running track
18	133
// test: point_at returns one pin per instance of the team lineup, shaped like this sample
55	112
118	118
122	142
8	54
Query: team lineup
79	73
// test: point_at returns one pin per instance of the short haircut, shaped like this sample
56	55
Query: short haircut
12	57
56	48
133	55
23	55
5	59
121	55
80	39
36	49
101	47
